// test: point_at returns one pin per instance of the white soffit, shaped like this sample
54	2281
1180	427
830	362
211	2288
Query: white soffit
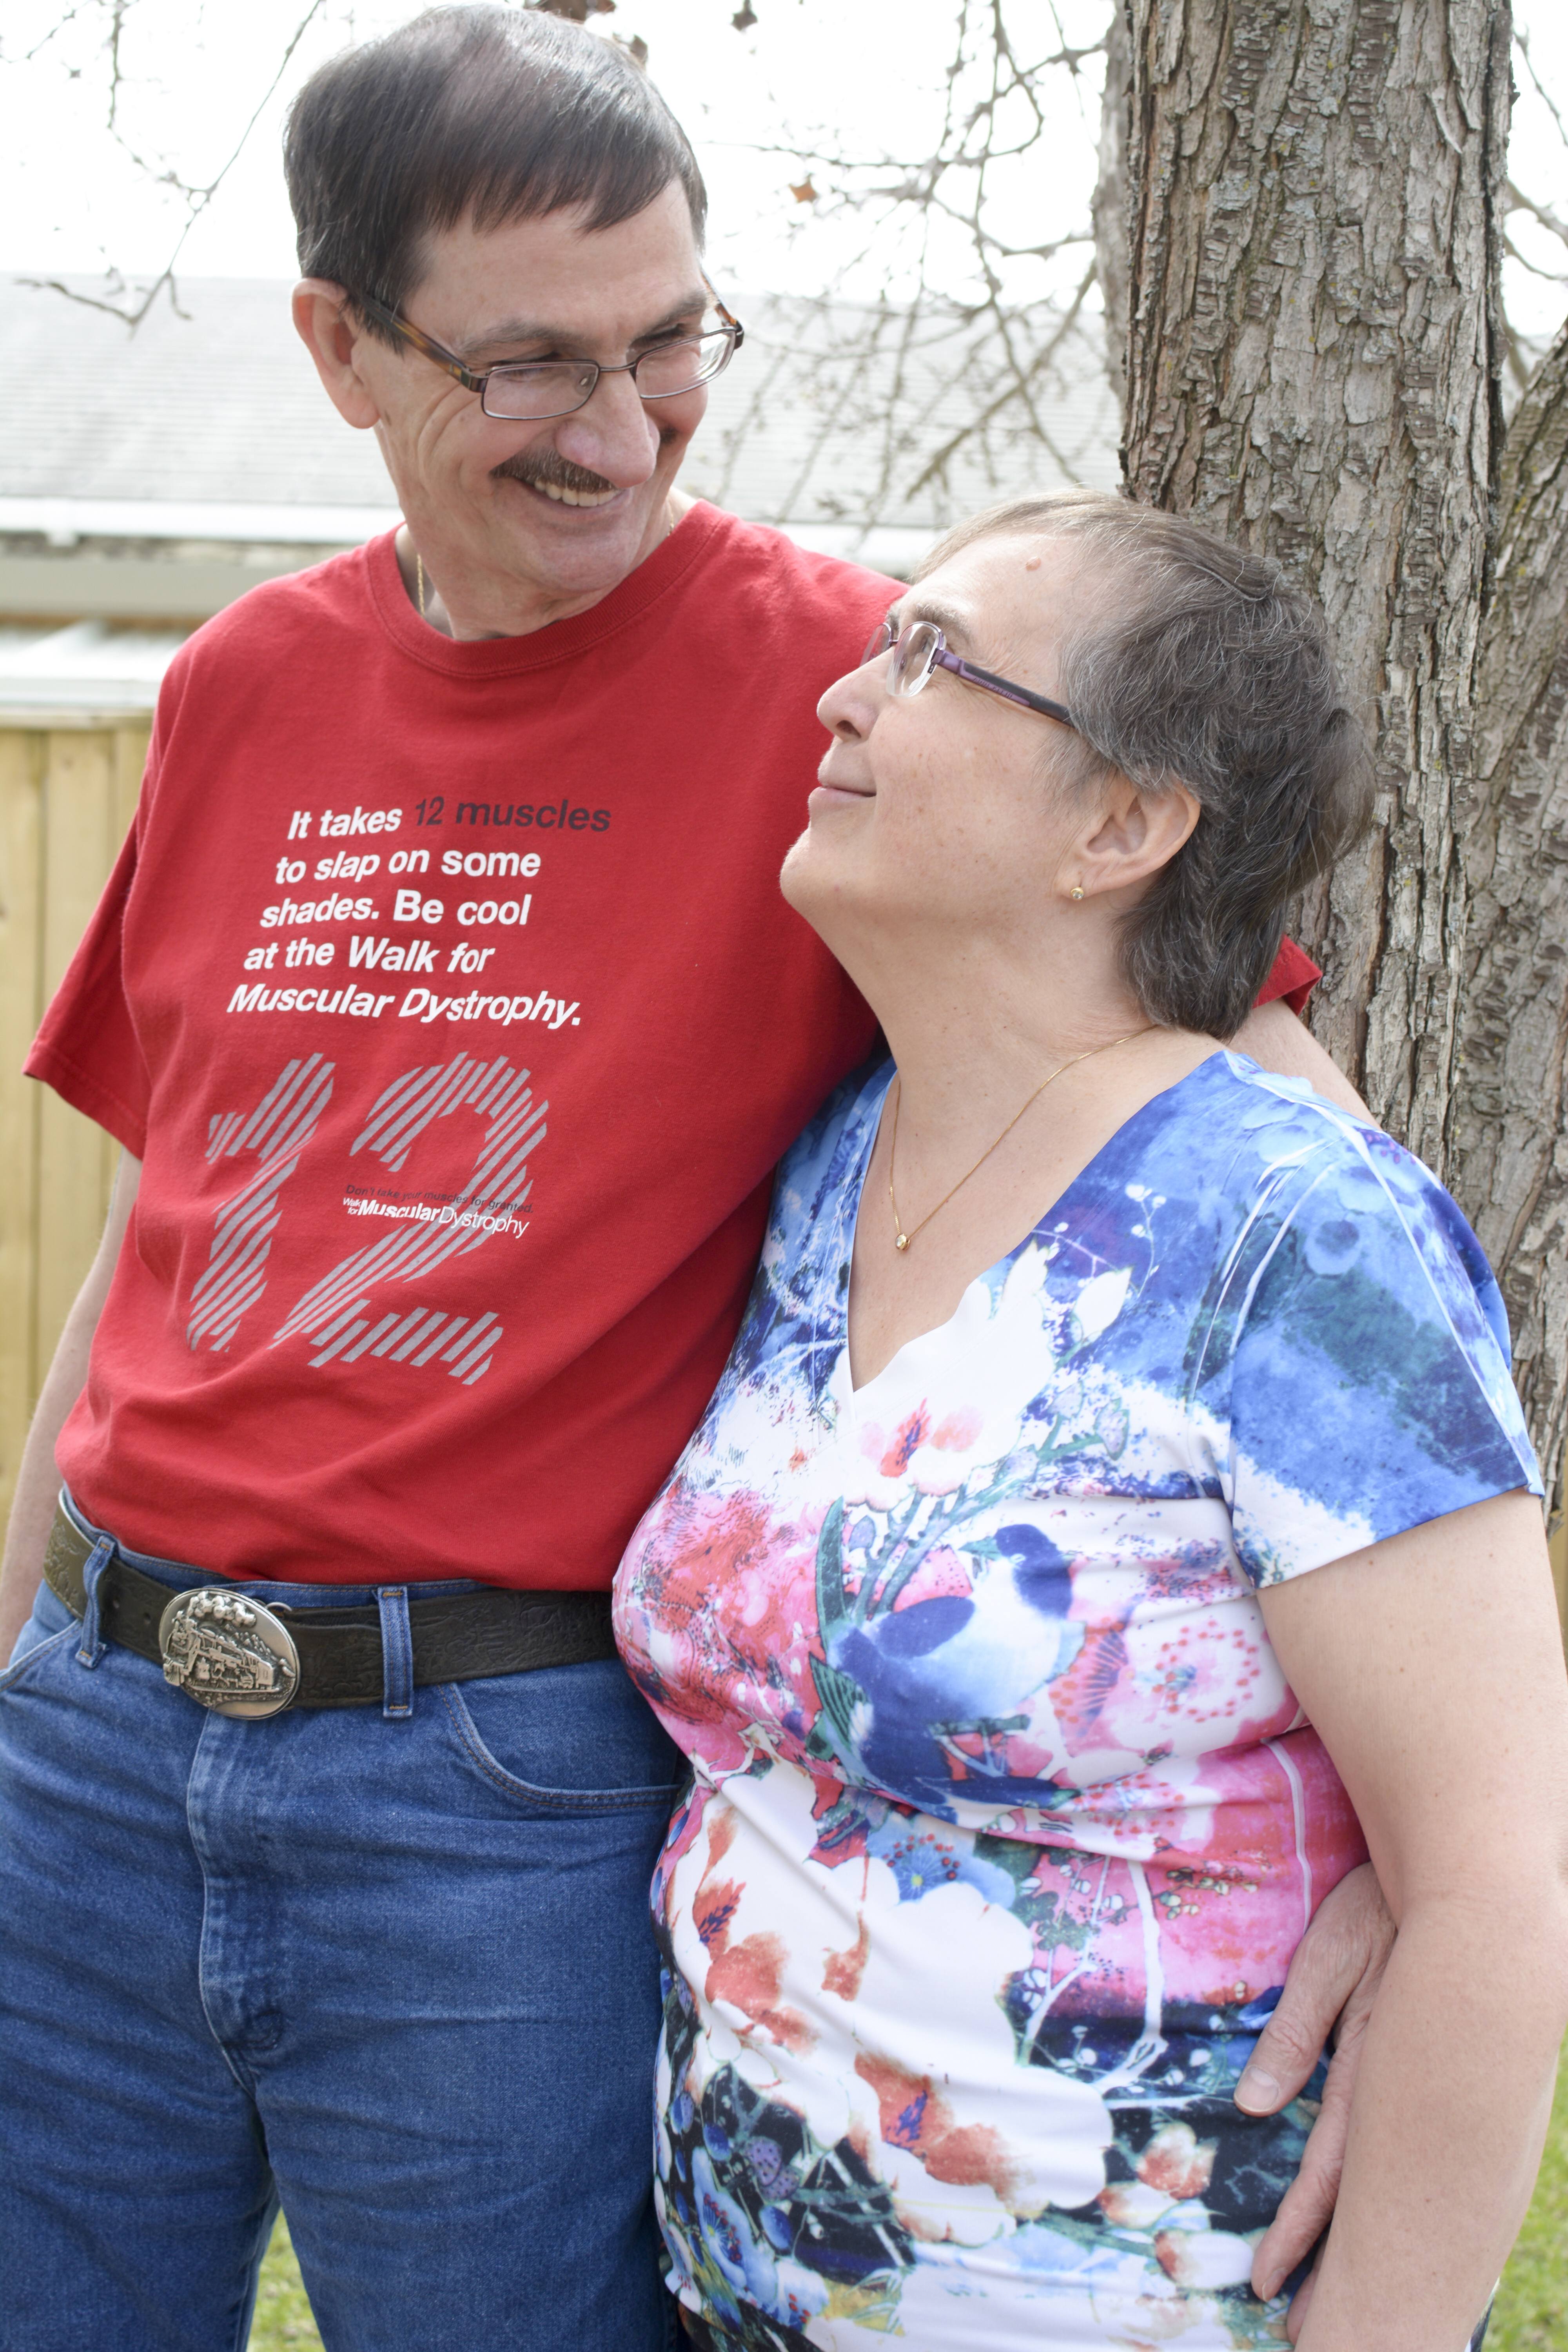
88	675
67	521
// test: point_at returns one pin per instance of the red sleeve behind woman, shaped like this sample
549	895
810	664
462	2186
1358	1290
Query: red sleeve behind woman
1293	977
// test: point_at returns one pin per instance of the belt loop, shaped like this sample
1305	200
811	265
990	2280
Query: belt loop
91	1645
397	1653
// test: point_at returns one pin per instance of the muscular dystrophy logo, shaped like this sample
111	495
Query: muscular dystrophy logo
431	1213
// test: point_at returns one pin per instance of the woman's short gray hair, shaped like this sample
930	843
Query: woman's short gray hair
1204	665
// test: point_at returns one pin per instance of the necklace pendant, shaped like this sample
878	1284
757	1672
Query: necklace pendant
901	1241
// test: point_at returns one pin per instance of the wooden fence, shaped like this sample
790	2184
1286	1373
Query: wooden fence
66	800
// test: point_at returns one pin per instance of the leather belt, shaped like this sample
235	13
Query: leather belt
242	1656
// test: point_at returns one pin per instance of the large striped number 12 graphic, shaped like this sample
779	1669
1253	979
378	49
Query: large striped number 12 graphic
338	1314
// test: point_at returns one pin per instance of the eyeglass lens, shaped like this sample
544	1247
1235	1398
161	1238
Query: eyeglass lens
914	655
555	387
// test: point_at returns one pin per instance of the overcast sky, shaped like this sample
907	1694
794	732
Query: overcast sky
856	75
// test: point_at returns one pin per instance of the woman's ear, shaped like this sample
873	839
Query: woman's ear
1134	834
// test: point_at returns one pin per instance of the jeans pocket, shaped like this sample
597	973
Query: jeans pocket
50	1628
571	1738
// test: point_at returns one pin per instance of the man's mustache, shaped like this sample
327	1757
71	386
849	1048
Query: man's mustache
549	468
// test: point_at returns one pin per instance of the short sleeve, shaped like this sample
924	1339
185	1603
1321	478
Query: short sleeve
88	1049
1370	1389
1291	978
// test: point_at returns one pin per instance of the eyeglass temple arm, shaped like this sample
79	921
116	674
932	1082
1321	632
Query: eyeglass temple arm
725	314
418	341
1006	687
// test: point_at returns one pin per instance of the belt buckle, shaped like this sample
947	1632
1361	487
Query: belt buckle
228	1652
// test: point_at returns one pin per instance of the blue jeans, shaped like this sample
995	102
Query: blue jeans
396	1971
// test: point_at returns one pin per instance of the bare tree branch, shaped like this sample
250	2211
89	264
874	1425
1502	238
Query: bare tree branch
1522	43
197	197
1517	202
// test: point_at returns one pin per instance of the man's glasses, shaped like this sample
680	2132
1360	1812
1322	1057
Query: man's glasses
921	648
533	389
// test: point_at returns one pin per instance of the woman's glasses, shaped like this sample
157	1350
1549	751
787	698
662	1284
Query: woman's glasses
920	648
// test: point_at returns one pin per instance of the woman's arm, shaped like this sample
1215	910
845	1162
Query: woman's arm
1432	1667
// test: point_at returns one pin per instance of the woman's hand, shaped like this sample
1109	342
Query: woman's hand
1330	1988
1431	1665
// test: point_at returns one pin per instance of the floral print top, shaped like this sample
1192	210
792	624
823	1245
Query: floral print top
1005	1823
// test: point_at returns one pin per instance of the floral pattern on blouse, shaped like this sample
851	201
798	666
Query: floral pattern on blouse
1004	1823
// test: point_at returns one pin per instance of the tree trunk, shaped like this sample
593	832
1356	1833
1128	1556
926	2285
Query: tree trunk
1509	1156
1313	352
1312	368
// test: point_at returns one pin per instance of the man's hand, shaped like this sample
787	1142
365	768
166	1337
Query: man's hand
1332	1985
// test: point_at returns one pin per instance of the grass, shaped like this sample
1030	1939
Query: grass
282	2307
1531	2312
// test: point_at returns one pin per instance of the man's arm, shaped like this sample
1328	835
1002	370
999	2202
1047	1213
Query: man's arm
37	1481
1277	1041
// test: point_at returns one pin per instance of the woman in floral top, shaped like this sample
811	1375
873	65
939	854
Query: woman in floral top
1054	1606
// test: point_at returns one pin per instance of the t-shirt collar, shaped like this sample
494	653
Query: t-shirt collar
559	641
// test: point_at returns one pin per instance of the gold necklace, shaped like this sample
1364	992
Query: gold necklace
419	575
902	1240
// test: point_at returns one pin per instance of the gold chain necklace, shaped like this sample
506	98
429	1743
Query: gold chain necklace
902	1240
419	575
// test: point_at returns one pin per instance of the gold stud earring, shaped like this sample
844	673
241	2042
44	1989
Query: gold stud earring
1077	890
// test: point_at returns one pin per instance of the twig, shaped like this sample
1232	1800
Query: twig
1520	203
196	197
1522	42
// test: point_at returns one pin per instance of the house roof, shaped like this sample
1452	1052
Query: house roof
218	407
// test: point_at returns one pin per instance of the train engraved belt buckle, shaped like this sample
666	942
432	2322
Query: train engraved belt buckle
227	1652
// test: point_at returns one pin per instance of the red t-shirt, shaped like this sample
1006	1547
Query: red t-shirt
448	995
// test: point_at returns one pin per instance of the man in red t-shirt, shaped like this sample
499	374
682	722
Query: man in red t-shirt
446	1008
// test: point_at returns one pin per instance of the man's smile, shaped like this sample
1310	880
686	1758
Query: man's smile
558	480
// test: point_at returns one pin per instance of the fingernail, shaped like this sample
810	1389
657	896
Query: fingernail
1257	2092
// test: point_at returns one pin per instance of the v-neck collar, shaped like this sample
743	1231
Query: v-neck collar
835	1375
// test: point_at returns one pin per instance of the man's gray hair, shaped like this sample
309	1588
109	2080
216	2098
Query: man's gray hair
1196	663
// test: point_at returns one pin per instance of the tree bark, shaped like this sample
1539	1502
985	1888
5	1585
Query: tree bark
1508	1155
1312	367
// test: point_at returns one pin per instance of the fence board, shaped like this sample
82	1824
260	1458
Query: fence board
76	1158
66	800
21	788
